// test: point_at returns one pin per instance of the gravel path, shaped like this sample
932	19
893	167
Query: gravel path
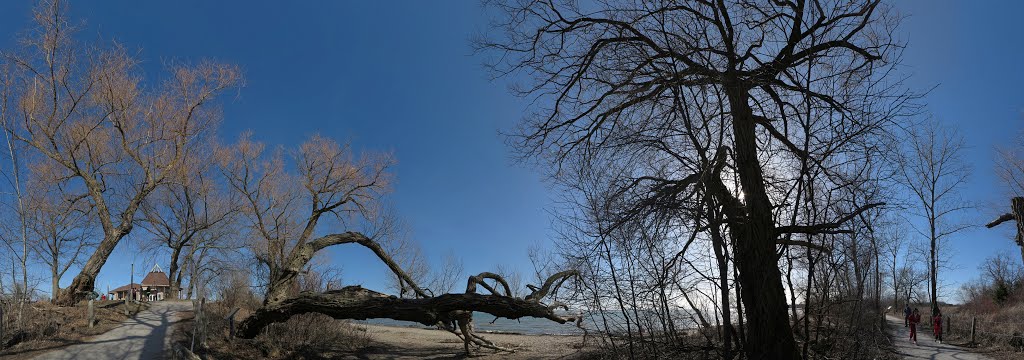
927	347
142	337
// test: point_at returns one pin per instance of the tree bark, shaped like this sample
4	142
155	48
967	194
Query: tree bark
173	274
285	277
54	280
354	302
1017	206
85	281
719	246
768	329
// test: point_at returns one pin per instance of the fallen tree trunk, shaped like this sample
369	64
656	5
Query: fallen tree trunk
452	312
357	303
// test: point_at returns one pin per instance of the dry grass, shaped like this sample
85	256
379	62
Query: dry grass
48	327
999	330
307	336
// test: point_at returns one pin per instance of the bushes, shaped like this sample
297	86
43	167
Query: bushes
316	333
998	327
306	336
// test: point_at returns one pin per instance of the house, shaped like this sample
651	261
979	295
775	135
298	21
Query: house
154	287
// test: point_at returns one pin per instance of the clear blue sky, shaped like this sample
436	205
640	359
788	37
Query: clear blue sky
401	77
971	52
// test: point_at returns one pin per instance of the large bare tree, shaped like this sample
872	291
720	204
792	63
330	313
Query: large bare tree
288	211
625	82
934	171
116	139
284	209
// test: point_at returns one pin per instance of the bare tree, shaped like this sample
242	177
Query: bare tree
514	277
1001	270
394	237
62	227
446	276
934	172
333	185
1010	168
647	87
179	214
88	111
13	177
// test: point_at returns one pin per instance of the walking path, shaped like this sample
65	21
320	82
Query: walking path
927	347
146	336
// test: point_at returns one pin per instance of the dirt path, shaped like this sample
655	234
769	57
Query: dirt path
142	337
927	347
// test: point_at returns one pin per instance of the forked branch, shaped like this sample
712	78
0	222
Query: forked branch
825	228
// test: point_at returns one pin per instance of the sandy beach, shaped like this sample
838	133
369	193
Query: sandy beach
417	343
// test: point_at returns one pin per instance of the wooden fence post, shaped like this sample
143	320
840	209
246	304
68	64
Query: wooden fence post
197	310
202	324
974	328
91	314
231	323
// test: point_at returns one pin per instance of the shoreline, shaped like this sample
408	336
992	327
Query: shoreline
398	342
495	332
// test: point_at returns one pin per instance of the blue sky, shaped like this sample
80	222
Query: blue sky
970	52
402	77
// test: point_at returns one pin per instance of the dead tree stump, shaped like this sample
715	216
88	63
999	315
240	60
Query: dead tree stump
1017	214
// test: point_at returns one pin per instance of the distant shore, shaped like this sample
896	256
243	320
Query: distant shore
396	342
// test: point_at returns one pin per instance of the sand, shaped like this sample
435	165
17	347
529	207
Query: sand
417	343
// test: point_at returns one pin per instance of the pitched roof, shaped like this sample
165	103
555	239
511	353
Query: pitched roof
156	278
125	288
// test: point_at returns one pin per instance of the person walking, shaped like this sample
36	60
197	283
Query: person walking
937	325
906	315
913	320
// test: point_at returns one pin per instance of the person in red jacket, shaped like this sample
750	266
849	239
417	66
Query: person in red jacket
914	319
937	324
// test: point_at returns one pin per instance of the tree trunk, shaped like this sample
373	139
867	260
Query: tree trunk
932	264
768	330
718	243
354	302
173	274
54	281
85	281
1017	214
1017	204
